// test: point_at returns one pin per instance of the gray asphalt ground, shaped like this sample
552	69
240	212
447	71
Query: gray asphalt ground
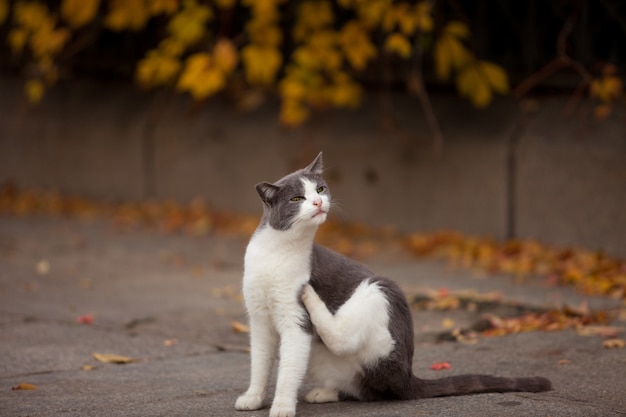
168	301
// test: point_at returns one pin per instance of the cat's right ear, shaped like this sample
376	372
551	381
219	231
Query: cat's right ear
266	191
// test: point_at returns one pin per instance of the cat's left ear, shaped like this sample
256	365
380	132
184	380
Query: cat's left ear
317	166
266	191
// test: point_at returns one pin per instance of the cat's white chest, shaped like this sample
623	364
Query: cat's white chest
275	269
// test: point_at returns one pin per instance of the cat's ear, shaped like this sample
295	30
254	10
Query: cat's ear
317	166
267	191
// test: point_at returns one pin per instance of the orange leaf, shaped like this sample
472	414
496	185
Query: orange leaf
24	386
112	358
85	319
239	327
439	366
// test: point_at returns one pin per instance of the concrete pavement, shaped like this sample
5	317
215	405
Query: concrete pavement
168	301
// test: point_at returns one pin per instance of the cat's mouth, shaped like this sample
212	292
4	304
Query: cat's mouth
319	213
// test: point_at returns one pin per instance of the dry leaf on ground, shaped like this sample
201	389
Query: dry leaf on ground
614	344
24	386
112	358
239	327
439	366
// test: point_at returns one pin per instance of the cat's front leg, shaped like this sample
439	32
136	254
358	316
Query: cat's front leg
263	346
295	348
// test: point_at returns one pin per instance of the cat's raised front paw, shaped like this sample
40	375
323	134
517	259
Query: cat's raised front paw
308	295
249	402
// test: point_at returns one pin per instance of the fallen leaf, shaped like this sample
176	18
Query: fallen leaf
170	342
439	366
447	323
24	386
42	267
112	358
564	362
239	327
604	331
88	367
614	344
85	319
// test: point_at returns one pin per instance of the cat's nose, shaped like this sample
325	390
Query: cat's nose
317	202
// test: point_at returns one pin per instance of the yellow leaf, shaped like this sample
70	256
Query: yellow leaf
398	44
201	77
188	25
449	54
34	90
17	39
457	29
496	76
614	344
423	16
156	7
157	69
25	386
4	10
261	63
239	327
356	45
225	55
126	14
78	13
47	40
474	86
112	358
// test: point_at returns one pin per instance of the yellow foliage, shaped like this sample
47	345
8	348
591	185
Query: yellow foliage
264	33
201	77
479	80
189	24
457	29
312	16
449	54
607	88
127	15
48	41
78	13
356	45
30	15
17	39
4	10
157	68
34	90
261	63
345	92
408	19
225	55
370	12
398	44
156	7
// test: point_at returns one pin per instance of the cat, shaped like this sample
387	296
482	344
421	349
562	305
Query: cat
325	313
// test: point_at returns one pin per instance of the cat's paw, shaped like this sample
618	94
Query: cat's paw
308	295
279	410
249	402
322	395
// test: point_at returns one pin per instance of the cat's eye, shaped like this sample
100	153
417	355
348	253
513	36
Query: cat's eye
297	198
320	189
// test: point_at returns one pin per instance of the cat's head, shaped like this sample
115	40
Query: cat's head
300	199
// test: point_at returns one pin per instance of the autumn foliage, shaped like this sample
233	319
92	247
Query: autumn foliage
314	54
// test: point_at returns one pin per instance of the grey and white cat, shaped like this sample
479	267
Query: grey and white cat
324	312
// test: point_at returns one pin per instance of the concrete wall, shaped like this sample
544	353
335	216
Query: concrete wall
568	184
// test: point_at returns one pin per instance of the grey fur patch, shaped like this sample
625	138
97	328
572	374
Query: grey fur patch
279	211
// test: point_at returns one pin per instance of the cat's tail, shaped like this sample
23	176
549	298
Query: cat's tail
476	384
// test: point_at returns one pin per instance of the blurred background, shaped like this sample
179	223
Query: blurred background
485	117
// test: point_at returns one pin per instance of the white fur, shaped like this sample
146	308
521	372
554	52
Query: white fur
276	265
356	336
